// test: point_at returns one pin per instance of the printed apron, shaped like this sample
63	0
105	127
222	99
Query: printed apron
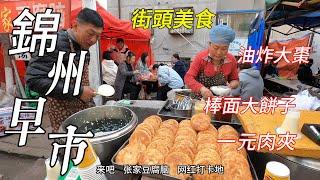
58	109
217	80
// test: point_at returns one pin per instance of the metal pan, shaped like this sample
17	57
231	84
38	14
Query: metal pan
166	112
217	124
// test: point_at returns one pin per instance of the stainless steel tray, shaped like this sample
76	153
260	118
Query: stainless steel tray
217	124
167	113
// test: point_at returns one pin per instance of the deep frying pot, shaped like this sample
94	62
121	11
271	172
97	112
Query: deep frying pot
106	144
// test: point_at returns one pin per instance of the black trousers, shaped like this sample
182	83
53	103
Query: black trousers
133	89
162	92
150	86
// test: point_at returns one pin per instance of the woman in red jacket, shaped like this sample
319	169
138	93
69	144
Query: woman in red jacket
213	66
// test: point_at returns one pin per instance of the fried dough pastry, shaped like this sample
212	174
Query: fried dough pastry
185	123
154	120
130	154
161	145
227	132
148	127
187	143
232	164
185	137
200	122
229	147
207	157
206	138
214	146
183	149
186	131
165	132
151	157
177	158
140	135
167	139
171	124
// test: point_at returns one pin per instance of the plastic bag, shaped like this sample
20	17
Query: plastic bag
305	101
142	94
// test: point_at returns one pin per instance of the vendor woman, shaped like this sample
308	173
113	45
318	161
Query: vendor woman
214	66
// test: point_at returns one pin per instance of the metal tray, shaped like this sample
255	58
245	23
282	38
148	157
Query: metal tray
217	124
165	113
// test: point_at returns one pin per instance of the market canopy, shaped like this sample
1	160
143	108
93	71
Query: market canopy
138	40
299	14
115	27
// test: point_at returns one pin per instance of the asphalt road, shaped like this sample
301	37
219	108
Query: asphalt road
17	167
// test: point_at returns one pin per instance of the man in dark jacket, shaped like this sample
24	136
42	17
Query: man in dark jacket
179	66
84	33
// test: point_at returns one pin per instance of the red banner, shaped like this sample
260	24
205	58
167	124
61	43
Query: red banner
9	10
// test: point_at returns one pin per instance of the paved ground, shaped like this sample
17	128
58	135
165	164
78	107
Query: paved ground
37	145
20	163
21	167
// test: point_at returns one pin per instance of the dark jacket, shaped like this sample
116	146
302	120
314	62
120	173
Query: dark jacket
305	75
180	68
121	77
37	72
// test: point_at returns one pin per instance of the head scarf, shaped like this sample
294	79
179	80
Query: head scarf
222	34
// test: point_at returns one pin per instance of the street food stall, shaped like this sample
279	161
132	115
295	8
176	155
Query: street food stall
171	132
303	161
147	139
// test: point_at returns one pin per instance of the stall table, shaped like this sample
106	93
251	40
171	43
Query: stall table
300	167
290	84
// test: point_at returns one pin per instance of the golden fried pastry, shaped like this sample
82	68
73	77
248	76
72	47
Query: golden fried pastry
165	132
186	131
161	145
140	135
212	128
171	124
228	147
209	131
173	160
200	122
130	154
206	138
187	143
177	158
209	152
185	123
151	157
147	127
227	132
183	149
209	155
207	176
167	139
214	146
173	171
232	164
185	137
154	120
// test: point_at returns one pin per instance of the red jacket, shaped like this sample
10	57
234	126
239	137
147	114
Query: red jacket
201	62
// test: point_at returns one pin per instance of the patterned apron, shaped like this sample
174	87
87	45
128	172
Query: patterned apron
58	109
217	80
